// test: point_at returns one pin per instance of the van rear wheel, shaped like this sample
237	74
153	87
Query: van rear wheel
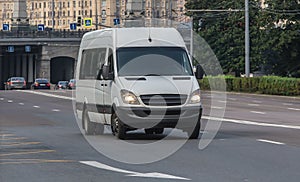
88	126
117	127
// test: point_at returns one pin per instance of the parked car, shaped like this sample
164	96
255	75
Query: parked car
61	85
15	83
41	83
72	84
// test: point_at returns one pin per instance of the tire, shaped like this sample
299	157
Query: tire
196	131
117	127
88	126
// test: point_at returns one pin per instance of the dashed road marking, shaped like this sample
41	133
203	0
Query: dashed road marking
294	109
32	161
253	105
232	99
36	106
287	104
18	144
216	107
27	152
257	101
10	101
257	112
5	135
22	104
270	141
1	98
55	110
16	138
222	101
132	173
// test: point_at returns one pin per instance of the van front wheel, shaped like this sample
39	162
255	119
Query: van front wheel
117	127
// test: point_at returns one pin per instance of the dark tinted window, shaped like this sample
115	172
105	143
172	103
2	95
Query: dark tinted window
42	81
165	61
91	62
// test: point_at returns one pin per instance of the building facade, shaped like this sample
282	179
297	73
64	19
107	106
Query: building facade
59	14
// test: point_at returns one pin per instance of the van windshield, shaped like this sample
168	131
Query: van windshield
153	61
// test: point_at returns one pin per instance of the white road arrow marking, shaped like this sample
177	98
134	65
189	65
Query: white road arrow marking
270	141
132	173
294	109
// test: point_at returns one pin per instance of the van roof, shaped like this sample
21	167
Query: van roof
139	36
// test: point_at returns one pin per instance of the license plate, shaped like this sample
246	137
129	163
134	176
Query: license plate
43	84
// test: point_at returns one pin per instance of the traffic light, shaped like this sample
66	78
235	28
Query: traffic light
79	21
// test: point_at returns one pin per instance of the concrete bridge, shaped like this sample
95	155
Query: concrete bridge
46	54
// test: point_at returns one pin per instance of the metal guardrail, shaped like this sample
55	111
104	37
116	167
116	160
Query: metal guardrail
42	34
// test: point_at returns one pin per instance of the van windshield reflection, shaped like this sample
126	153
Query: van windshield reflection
153	61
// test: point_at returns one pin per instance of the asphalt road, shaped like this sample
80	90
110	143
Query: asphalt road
259	140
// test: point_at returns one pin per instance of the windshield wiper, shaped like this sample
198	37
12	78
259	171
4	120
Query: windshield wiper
152	74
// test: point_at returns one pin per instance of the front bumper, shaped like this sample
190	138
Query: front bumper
173	117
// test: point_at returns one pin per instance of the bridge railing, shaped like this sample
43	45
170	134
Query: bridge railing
42	34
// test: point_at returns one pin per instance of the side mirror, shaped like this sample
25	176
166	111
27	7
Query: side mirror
106	74
199	72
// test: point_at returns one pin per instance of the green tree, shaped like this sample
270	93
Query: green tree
270	45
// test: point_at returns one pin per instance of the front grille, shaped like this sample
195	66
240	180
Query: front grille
164	99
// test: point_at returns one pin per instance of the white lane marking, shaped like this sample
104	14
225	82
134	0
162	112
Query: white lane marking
222	101
253	105
270	141
257	101
1	98
131	173
46	94
216	107
232	99
294	109
257	112
55	110
287	104
22	104
36	106
10	101
245	122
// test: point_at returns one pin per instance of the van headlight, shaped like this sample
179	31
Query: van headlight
129	97
195	97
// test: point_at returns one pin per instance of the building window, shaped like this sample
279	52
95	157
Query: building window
74	4
85	13
79	12
91	13
68	13
85	3
45	5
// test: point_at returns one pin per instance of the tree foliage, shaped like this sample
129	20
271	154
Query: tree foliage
273	48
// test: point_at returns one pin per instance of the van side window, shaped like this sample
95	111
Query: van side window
111	61
91	62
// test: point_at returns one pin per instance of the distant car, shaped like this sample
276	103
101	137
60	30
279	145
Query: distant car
41	83
15	83
61	85
72	84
